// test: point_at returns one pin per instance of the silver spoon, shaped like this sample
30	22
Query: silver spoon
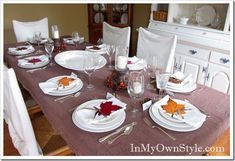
127	131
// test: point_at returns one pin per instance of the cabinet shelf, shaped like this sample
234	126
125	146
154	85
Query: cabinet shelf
119	15
221	20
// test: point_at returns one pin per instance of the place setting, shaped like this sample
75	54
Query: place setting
64	85
21	50
75	39
176	115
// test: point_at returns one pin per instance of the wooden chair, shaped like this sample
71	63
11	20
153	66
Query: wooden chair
30	137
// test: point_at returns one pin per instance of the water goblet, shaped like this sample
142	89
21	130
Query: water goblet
38	39
76	38
135	89
49	47
151	69
100	41
161	80
90	64
110	49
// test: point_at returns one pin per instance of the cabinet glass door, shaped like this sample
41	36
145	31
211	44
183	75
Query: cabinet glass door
120	14
99	13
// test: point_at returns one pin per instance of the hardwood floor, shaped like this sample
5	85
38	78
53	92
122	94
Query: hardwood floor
9	149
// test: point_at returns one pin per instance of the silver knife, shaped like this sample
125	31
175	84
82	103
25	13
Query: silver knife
116	132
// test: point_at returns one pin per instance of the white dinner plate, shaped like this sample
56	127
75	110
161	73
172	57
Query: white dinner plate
171	127
205	15
66	91
124	7
124	18
34	65
185	89
157	113
14	51
82	116
74	59
168	116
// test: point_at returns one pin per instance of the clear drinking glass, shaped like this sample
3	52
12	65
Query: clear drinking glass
100	41
110	49
135	88
151	69
161	80
49	47
76	38
90	64
38	39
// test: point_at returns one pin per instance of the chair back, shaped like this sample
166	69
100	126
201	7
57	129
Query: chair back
24	31
17	118
116	36
150	44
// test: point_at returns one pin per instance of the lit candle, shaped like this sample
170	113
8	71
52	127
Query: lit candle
121	62
137	87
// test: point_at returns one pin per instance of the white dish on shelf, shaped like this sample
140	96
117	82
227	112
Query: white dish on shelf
205	15
124	18
124	7
95	7
99	17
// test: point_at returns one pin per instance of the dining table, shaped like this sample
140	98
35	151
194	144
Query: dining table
143	140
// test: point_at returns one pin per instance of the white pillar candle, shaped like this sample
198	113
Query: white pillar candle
137	87
56	34
121	62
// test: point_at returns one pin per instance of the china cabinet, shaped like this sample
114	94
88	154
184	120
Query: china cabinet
203	46
119	15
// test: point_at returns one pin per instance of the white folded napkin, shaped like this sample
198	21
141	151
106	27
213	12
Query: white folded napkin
25	61
102	48
136	63
29	48
48	87
192	117
179	75
100	119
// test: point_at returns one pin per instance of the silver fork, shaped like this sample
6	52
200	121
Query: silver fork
62	99
153	126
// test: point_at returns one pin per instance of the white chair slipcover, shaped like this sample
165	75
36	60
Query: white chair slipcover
24	31
17	118
163	47
116	36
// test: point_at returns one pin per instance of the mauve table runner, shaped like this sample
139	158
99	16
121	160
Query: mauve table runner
215	103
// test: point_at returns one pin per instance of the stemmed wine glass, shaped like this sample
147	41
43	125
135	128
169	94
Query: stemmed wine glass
151	69
76	38
90	64
110	49
38	39
135	88
161	80
49	47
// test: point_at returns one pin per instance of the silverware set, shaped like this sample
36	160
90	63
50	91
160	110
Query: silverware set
62	99
36	69
125	130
